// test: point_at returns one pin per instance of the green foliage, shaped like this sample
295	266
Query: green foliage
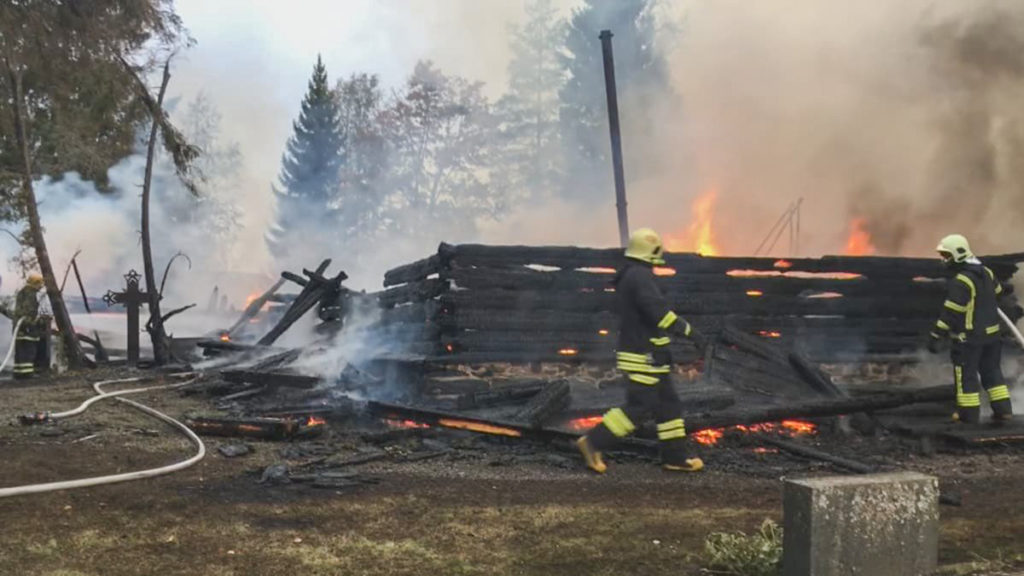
641	76
310	167
759	554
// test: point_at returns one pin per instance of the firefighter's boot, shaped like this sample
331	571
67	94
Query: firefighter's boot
688	465
591	456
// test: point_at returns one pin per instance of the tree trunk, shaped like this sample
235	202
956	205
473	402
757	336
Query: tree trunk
155	325
73	349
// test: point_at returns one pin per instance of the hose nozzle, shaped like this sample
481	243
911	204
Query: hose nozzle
33	418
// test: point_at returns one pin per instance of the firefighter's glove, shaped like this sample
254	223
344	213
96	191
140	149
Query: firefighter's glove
934	345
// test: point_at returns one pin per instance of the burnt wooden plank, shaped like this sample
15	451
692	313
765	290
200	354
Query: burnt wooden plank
412	292
413	272
552	400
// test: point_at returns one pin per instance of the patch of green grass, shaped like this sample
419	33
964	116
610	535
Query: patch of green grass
757	554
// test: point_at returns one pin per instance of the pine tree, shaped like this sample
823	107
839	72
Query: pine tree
641	76
531	163
310	166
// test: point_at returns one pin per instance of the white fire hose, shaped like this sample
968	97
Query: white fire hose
14	340
1013	327
127	476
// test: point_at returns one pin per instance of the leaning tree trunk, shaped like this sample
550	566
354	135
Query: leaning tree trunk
155	325
73	349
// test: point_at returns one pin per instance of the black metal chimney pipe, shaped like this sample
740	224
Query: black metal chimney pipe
613	126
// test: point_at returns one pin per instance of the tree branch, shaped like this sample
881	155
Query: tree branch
163	281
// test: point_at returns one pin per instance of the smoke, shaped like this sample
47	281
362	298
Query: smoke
905	114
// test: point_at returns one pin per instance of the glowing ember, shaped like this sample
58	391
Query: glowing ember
708	437
602	332
568	351
225	337
783	264
858	243
314	421
799	426
698	237
585	423
763	450
769	334
395	423
804	275
599	270
711	436
826	295
662	271
479	427
449	347
755	293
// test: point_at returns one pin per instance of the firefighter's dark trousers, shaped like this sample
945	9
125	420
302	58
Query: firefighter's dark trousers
969	360
644	401
27	352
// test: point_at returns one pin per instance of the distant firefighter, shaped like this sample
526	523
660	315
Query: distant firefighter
643	356
970	319
30	351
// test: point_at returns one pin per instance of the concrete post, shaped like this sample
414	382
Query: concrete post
875	524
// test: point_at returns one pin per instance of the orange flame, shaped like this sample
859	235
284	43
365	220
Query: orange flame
755	293
568	351
225	337
314	421
479	427
699	236
585	423
858	243
394	423
711	436
783	264
770	334
663	271
708	437
602	332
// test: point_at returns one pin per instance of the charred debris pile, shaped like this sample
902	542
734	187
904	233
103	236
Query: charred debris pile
517	342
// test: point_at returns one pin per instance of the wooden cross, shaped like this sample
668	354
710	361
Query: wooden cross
132	299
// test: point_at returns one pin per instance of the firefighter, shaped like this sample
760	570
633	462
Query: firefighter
970	319
27	342
645	322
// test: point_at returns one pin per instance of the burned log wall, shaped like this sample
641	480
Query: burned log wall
475	303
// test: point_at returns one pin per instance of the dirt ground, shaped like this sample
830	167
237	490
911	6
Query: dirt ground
464	513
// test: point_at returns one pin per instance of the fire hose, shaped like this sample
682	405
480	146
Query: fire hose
127	476
14	341
1013	327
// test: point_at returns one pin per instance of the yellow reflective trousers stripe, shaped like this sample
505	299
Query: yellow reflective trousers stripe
941	325
663	341
964	400
992	329
668	320
642	368
631	357
618	423
997	393
672	429
644	379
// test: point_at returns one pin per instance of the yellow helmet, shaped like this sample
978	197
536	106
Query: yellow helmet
645	246
34	281
954	248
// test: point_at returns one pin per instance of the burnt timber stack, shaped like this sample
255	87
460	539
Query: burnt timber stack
470	304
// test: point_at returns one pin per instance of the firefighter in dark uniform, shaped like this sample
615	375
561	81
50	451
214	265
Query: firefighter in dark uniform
28	349
970	319
645	322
